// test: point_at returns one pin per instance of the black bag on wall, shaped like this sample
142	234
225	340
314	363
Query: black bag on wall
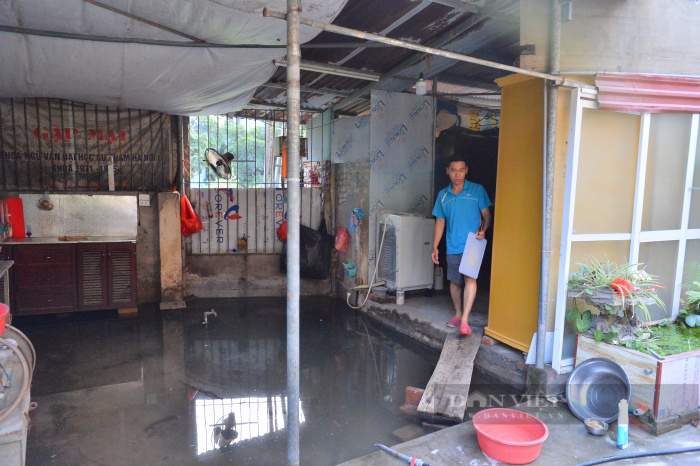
315	251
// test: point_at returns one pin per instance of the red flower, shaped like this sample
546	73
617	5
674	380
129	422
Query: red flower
622	286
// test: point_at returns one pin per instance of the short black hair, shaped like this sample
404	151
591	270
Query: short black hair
457	158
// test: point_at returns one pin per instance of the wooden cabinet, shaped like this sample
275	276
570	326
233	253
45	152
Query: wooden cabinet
92	276
106	275
72	277
43	279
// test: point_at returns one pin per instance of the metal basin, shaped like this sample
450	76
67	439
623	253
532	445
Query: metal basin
595	387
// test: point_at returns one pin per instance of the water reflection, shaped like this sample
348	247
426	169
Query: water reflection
254	417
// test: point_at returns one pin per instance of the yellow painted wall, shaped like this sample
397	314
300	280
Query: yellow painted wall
518	214
604	199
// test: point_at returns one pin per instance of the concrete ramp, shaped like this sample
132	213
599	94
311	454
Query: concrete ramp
447	391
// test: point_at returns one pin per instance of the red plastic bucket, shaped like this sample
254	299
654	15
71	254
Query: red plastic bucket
4	312
509	436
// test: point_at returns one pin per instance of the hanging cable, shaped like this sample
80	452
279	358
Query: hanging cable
25	379
374	357
374	275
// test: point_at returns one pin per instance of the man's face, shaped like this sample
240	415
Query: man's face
457	171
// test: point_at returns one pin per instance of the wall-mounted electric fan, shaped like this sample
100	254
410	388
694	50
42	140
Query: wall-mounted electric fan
221	164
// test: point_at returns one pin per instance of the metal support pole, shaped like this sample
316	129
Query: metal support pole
552	100
293	222
422	48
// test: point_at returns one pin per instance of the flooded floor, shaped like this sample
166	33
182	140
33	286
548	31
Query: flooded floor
151	389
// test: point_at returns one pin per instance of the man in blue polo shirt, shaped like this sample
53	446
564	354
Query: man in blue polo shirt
462	206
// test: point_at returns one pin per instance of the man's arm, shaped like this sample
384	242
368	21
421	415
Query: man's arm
485	222
437	235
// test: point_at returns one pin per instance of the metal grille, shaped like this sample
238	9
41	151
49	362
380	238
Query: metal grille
60	145
387	264
243	213
92	277
121	276
3	298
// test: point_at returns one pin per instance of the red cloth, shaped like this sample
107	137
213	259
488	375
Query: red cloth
282	232
190	223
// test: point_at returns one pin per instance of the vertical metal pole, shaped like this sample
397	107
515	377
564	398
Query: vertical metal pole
552	100
293	222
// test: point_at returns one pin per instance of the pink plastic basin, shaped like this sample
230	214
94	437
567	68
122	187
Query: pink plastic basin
4	312
509	436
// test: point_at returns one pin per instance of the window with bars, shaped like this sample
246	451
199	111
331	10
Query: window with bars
253	143
242	214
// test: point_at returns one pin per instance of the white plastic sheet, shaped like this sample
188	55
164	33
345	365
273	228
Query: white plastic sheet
174	80
401	157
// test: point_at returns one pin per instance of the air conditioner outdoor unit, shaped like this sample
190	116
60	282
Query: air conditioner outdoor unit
404	260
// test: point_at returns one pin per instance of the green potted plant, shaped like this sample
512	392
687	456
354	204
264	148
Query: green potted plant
620	293
662	361
690	315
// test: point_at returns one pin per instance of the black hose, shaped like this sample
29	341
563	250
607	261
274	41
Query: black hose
642	454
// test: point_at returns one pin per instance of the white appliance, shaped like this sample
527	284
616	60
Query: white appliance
404	260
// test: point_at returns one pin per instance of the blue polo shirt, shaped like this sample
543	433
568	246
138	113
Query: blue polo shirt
462	213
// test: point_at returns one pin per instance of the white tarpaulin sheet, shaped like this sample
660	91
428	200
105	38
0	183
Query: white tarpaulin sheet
173	80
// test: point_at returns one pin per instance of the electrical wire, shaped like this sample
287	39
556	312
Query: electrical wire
374	274
641	454
171	43
7	376
374	357
25	380
21	337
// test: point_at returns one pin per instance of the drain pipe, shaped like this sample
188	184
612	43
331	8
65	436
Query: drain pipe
551	102
294	220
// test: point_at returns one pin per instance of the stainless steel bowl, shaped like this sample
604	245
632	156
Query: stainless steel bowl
596	426
595	387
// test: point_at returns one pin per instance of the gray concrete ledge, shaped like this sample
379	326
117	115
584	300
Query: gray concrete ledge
568	443
243	276
425	319
220	287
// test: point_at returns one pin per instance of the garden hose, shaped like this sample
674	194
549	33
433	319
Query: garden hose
642	454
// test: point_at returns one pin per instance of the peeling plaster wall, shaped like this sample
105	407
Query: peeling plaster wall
352	190
612	35
170	247
148	254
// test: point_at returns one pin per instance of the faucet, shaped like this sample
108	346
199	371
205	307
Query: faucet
207	314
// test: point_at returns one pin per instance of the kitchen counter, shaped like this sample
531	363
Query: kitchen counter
55	240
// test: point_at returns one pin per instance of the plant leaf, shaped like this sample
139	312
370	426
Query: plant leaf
692	320
614	329
582	325
608	336
597	334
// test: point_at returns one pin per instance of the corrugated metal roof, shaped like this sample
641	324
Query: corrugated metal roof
648	93
419	22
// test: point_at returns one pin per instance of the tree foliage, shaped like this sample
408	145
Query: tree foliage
249	140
